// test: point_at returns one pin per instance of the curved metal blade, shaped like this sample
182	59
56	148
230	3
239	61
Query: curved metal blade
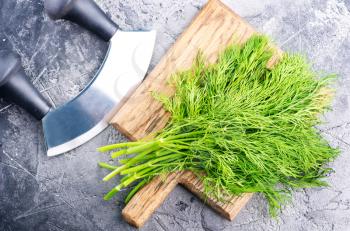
88	114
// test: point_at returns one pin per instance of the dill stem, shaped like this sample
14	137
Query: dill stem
119	145
150	163
184	135
146	155
135	190
106	166
114	173
127	181
130	162
135	149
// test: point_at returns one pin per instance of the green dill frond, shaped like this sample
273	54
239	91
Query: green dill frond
246	127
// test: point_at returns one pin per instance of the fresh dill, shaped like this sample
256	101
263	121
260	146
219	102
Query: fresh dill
246	127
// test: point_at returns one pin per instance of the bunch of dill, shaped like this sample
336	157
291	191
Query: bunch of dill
246	127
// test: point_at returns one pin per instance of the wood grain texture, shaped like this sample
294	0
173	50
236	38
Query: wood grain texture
228	209
149	198
211	31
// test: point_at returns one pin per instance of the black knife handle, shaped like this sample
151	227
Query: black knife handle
85	13
15	86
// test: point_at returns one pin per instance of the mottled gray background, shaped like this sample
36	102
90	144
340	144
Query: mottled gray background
65	193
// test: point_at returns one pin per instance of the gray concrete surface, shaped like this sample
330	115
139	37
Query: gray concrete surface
65	193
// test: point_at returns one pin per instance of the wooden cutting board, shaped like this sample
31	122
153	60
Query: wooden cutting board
211	31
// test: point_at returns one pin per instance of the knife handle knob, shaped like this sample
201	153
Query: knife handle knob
85	13
15	86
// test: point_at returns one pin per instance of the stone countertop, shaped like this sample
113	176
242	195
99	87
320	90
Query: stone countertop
65	192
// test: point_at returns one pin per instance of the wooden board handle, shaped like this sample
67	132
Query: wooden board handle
141	207
229	208
150	197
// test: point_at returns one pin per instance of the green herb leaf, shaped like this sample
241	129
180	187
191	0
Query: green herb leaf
246	127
